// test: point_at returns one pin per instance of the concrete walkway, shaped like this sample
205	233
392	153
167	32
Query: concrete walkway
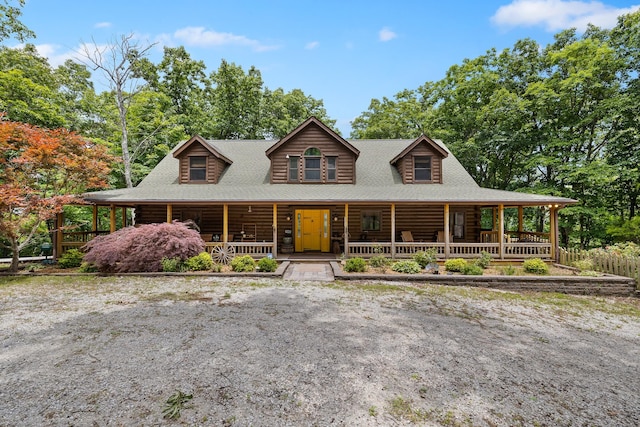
309	271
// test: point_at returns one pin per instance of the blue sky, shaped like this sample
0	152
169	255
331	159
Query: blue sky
343	52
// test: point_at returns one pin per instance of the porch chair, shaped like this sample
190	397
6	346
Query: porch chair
407	237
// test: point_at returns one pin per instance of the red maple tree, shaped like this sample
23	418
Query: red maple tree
41	170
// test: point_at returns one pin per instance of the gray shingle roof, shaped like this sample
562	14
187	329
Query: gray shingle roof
247	180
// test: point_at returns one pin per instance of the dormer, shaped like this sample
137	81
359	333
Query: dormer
421	162
313	154
200	162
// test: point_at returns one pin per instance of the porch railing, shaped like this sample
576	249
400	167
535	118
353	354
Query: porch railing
456	250
514	236
255	249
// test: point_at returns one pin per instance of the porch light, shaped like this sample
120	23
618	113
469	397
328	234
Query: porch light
335	218
249	209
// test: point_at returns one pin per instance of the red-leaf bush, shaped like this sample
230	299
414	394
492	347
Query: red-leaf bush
142	248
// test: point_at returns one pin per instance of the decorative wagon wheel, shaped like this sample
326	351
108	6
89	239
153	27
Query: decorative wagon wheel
223	254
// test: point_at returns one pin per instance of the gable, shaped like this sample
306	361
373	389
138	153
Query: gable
199	162
421	162
312	153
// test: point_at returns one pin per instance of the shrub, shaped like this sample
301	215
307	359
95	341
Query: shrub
200	262
379	261
583	264
355	265
172	265
484	260
267	265
142	248
454	264
508	270
535	265
424	258
71	259
409	267
472	270
87	267
243	263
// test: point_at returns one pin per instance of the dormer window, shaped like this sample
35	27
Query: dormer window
312	164
197	168
422	168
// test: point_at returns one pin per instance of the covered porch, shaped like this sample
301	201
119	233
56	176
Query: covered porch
396	230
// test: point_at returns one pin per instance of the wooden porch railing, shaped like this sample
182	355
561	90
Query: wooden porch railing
255	249
456	250
514	236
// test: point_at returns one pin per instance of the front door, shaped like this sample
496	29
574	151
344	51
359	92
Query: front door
312	230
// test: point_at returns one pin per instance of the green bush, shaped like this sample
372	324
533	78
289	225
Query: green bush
484	260
87	267
71	259
171	265
424	258
583	264
455	264
267	265
200	262
379	261
535	265
355	265
472	270
409	267
243	263
508	270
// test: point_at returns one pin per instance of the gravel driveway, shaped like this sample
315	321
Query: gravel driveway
111	351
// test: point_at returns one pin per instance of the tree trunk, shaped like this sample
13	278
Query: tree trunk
126	158
15	255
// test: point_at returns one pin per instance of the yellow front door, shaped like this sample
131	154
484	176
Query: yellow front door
312	230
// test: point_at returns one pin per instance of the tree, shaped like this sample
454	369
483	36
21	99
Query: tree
28	88
282	112
142	248
40	171
237	103
117	62
10	24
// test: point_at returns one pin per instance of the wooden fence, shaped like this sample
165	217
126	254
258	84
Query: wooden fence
607	263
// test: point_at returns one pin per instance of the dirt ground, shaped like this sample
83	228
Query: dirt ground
96	351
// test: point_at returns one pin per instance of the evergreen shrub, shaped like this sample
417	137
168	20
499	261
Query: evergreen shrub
536	266
455	264
243	263
355	265
71	259
267	265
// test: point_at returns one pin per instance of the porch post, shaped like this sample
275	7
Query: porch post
393	230
95	218
112	219
520	219
124	217
446	231
346	230
553	231
275	231
225	223
169	212
501	230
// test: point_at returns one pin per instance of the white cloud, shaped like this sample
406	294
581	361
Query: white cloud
386	34
54	56
557	15
102	25
199	36
312	45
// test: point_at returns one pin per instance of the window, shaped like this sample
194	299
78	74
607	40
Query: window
293	168
331	169
312	159
422	168
198	168
371	220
